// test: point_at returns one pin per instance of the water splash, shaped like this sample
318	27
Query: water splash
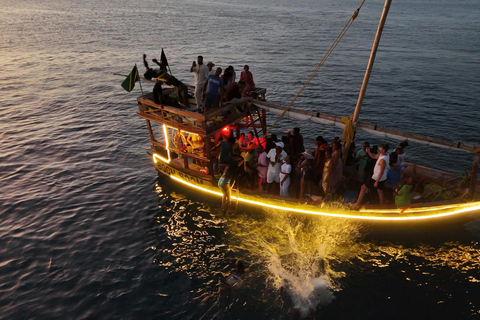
300	254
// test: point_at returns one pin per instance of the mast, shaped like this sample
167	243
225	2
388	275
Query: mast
371	61
356	113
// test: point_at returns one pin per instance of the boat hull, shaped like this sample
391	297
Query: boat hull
427	213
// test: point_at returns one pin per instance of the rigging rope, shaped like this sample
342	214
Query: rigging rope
329	51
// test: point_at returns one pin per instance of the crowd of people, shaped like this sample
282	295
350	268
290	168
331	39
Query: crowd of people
284	167
214	88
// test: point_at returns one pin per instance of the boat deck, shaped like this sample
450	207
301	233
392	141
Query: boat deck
199	170
188	119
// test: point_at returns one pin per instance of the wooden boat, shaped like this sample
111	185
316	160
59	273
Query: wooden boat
169	128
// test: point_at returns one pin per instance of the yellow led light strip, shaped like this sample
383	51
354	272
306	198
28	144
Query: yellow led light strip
167	144
456	210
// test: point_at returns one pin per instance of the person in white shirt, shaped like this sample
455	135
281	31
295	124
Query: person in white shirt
262	167
200	75
377	181
275	156
285	177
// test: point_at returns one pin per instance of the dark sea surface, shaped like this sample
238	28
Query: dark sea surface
88	230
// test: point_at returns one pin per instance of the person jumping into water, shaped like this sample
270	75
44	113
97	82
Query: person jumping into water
163	76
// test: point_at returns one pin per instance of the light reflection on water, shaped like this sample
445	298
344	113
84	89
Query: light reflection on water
83	233
299	253
299	264
451	255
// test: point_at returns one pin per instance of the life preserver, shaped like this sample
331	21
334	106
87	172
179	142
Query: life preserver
176	141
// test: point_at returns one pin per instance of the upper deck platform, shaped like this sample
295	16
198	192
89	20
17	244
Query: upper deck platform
188	119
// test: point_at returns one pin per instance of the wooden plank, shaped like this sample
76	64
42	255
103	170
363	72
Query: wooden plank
192	172
438	177
191	155
172	124
232	119
374	127
173	110
150	131
226	107
418	137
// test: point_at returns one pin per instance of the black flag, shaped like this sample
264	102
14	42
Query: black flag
163	59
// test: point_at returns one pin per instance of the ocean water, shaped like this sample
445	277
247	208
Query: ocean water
88	230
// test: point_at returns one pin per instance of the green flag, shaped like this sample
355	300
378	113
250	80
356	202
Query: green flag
129	83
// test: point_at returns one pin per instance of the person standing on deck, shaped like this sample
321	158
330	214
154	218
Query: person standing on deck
361	158
200	75
233	78
275	156
225	184
212	91
210	66
249	165
262	167
400	151
226	77
377	181
297	142
226	152
285	170
327	172
304	169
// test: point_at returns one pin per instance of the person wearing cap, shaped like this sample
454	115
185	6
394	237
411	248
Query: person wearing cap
377	180
200	75
275	156
210	66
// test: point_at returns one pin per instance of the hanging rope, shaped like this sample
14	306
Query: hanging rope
330	50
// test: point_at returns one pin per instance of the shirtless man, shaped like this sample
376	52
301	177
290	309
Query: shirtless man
163	76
